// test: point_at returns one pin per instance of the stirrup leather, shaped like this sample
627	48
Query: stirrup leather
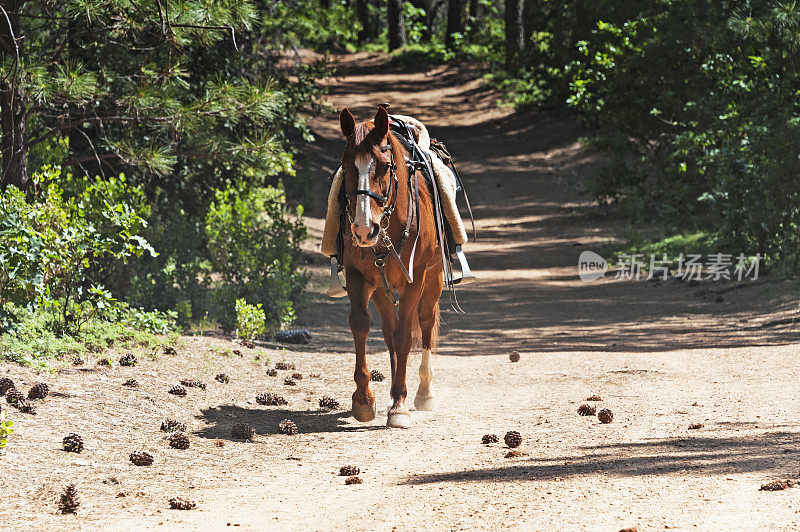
336	289
467	276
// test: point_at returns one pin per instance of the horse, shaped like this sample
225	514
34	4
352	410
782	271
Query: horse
391	214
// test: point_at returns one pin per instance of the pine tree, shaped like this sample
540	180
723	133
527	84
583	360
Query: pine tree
163	87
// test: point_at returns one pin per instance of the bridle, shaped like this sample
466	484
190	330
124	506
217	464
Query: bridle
381	199
383	224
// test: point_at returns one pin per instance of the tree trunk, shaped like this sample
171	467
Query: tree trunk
12	109
515	40
475	15
475	9
431	8
529	11
395	25
455	20
363	18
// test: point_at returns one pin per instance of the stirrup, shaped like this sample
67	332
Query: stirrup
336	289
467	276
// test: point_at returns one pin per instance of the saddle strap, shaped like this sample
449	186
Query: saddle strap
440	149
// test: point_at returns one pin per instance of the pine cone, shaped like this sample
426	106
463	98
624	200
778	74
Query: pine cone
179	440
293	336
329	403
13	396
605	416
594	398
69	503
513	438
284	366
349	471
287	426
193	384
272	372
775	485
376	376
178	390
5	385
128	359
176	503
297	376
78	360
352	480
223	378
131	383
288	381
26	407
141	458
169	350
514	356
72	443
270	399
242	431
587	410
172	425
489	438
104	362
38	391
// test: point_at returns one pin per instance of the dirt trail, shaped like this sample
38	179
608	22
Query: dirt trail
660	356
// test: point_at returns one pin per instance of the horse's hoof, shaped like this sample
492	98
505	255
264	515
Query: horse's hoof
364	412
424	404
399	420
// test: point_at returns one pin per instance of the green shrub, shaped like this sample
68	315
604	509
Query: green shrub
700	117
6	429
33	341
253	245
250	320
56	250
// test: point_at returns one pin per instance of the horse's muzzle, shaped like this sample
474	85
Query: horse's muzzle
365	237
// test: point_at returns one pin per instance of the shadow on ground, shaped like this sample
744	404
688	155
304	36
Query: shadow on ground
771	452
221	419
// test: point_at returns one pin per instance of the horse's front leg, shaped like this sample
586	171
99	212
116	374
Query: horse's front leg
388	322
407	314
359	292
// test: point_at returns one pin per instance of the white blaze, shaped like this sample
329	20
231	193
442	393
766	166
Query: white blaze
363	211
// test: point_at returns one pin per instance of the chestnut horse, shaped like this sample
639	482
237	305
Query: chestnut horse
382	192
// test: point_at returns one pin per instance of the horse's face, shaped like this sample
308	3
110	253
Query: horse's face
366	163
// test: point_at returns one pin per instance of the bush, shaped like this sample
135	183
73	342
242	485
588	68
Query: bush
250	321
696	107
6	429
56	251
253	244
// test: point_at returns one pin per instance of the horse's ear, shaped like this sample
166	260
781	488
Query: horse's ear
381	122
347	123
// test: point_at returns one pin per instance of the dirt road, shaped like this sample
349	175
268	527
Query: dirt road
662	355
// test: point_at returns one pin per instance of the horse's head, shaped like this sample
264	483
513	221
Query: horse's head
369	175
